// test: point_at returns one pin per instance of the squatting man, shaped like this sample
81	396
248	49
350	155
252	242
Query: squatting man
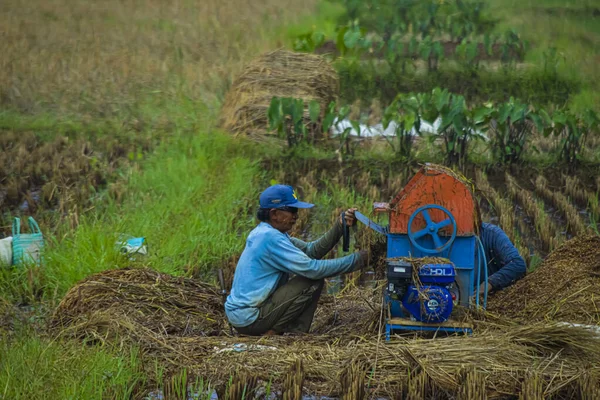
264	300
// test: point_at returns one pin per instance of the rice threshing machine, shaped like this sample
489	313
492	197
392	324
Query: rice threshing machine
435	259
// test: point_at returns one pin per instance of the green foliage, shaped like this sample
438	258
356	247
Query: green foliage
191	202
404	112
458	18
459	125
287	116
352	40
33	368
572	130
308	42
366	81
511	125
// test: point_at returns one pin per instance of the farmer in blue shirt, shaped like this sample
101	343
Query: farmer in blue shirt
263	299
505	265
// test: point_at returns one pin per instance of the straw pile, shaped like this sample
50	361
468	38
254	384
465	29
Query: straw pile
504	359
351	313
140	300
172	319
565	287
276	74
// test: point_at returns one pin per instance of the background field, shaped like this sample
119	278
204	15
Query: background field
108	125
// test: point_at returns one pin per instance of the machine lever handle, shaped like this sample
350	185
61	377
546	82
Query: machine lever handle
346	234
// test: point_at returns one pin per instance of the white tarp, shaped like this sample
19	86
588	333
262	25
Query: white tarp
339	127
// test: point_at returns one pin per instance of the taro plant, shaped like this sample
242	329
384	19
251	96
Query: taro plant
344	127
510	126
431	51
459	125
309	42
352	40
512	47
404	115
572	131
469	19
287	117
467	53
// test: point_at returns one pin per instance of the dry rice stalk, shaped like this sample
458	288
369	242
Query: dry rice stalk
589	387
418	386
473	385
575	224
294	380
576	190
242	386
160	302
279	73
176	386
504	352
565	287
434	368
353	312
505	210
532	388
353	382
545	227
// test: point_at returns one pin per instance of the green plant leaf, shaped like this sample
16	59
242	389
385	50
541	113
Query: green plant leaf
438	50
340	40
487	44
356	126
409	122
274	113
314	111
503	112
482	114
538	122
329	117
297	111
318	39
351	38
343	112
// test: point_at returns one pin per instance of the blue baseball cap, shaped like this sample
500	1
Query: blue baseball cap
278	196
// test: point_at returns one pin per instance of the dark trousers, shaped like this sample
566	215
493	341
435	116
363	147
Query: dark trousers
289	309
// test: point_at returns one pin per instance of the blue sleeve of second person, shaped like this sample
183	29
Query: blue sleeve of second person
288	258
506	255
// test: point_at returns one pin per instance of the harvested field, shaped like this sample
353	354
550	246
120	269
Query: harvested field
276	74
565	287
63	174
174	320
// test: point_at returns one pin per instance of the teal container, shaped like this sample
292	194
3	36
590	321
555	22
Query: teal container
27	247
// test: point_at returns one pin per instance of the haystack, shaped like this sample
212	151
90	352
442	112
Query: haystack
565	287
279	73
139	300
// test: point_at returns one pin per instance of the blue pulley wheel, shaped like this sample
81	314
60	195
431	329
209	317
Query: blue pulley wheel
432	229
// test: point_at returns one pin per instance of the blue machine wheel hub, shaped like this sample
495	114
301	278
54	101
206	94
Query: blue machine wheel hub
430	304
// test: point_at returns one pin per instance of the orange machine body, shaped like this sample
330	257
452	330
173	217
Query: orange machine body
434	184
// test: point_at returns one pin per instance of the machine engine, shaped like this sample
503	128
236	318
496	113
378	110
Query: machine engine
429	300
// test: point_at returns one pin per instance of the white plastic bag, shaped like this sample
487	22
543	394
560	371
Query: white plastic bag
6	253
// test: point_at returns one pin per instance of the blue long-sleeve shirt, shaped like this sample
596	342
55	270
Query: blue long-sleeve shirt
504	263
268	259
